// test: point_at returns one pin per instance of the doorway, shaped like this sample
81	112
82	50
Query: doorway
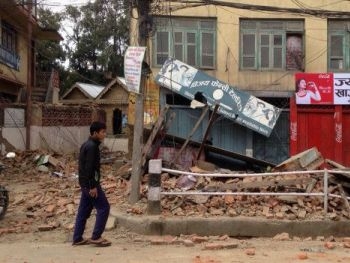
117	121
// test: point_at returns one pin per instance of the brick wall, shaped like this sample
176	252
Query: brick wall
67	116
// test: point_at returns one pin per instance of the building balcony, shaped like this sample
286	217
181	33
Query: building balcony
9	58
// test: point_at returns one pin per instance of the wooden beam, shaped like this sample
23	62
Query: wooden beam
211	121
204	113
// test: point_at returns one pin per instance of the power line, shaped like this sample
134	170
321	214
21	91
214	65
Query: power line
306	11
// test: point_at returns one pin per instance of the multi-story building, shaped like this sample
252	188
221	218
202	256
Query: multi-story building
18	33
258	46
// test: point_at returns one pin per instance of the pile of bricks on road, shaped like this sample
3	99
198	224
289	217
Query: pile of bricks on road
272	207
44	190
47	193
278	207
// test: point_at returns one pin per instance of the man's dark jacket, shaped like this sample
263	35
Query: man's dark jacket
89	164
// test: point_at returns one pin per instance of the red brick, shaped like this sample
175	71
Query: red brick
213	246
250	251
302	256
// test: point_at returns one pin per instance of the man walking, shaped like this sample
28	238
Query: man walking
92	195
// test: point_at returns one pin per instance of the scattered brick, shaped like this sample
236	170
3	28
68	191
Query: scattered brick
346	244
213	246
230	245
45	227
188	243
329	245
282	237
302	256
250	251
199	239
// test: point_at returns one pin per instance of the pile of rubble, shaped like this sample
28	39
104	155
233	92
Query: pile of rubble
44	191
290	206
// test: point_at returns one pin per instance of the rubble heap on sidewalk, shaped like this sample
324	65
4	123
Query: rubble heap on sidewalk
44	191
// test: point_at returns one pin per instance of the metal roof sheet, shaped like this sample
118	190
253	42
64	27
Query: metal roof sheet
92	90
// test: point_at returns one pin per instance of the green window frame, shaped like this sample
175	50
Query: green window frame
264	44
338	45
191	40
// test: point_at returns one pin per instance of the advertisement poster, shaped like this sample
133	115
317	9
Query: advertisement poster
341	88
133	66
314	88
234	104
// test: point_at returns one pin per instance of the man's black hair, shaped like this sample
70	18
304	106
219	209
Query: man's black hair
96	126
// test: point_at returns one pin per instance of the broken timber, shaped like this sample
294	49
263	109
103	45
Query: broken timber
204	113
207	130
339	178
223	152
157	134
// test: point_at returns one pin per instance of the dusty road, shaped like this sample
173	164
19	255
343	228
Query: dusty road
40	199
54	247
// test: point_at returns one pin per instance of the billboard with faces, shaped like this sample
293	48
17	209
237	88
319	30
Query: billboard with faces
234	104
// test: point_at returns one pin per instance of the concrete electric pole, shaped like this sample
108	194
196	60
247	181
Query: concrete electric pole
143	8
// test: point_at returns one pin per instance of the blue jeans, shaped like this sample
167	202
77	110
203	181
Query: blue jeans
87	203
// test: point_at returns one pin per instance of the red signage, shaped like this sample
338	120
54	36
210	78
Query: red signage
314	88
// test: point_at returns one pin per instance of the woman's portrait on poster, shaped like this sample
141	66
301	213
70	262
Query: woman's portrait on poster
305	92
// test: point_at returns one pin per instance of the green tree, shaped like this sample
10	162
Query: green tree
50	54
98	39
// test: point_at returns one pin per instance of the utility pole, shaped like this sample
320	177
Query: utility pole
143	8
29	73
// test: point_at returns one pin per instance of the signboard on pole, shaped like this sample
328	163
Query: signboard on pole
133	67
234	104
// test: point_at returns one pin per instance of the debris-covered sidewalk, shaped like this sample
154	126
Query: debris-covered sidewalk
44	191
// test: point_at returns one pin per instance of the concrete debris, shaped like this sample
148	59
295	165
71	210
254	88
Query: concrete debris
54	201
10	155
310	159
186	182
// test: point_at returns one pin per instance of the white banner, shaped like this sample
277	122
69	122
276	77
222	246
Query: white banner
341	88
133	66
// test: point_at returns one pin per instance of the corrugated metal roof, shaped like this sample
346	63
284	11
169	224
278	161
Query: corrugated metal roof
92	90
122	80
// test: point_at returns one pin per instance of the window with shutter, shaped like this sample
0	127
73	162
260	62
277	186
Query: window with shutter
338	45
8	46
192	41
264	44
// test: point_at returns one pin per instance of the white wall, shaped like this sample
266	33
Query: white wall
59	139
14	136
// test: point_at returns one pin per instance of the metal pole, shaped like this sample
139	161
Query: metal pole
29	75
325	191
154	187
172	171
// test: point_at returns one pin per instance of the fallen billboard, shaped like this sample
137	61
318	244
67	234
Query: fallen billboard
234	104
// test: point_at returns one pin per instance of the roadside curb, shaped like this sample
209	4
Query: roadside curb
232	226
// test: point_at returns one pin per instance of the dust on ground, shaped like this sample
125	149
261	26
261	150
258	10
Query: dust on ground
39	222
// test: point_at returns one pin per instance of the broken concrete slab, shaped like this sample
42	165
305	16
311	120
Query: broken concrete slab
310	159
